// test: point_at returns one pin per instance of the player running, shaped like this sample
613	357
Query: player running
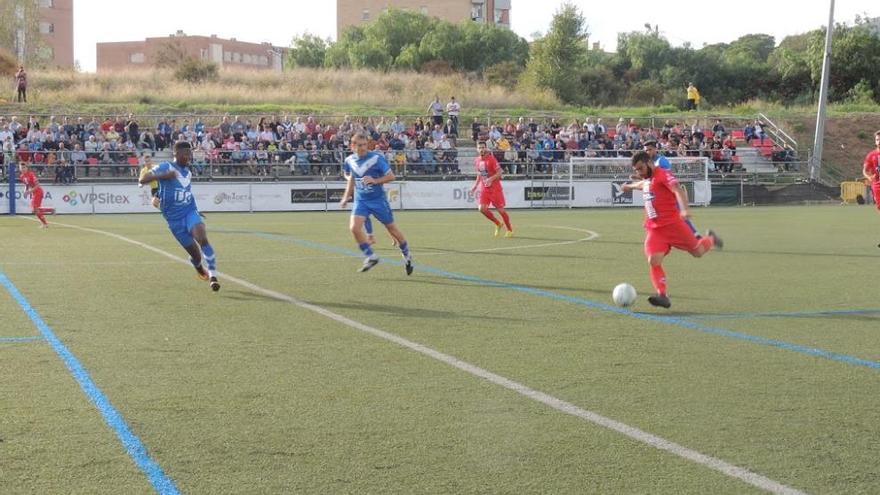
32	187
489	181
179	209
666	210
871	170
366	171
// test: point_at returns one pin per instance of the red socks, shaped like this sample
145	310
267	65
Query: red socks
506	218
658	279
488	214
707	243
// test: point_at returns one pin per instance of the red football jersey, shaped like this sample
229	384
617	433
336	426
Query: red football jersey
872	165
487	166
30	180
661	207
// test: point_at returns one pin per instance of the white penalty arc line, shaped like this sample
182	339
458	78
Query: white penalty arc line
632	432
591	235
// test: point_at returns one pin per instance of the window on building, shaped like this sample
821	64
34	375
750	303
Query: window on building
137	58
47	4
203	54
47	27
476	13
227	56
264	60
236	57
424	9
246	58
366	15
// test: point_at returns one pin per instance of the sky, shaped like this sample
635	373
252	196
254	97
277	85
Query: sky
278	21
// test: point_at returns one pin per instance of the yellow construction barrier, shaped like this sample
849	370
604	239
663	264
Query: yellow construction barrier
849	191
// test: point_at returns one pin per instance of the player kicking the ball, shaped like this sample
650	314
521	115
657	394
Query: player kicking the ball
366	171
179	209
666	212
491	193
32	187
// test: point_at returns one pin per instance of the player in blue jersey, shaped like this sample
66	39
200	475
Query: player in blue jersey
179	209
366	172
661	161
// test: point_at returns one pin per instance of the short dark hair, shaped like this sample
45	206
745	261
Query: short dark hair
182	145
877	134
650	142
640	156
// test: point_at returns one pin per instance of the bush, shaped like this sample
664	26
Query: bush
503	74
196	71
8	63
438	68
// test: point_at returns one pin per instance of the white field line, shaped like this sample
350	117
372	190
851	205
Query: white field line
632	432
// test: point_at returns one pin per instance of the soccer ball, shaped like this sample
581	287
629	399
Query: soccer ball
624	295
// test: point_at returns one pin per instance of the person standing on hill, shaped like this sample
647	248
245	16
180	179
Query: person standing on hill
435	110
21	84
693	97
871	170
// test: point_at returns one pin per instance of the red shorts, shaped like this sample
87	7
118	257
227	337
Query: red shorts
493	197
875	190
36	198
675	235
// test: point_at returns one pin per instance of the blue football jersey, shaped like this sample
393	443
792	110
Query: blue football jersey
373	165
175	194
662	162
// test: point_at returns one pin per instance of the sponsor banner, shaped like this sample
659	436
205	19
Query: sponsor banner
222	197
128	198
435	195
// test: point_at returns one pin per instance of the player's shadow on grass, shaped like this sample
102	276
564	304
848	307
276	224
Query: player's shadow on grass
406	312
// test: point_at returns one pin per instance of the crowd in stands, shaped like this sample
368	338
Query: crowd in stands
78	147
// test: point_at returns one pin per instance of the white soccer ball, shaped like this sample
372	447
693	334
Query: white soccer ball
624	295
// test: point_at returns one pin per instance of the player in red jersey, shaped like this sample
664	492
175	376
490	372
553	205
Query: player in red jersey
666	210
491	193
32	186
871	169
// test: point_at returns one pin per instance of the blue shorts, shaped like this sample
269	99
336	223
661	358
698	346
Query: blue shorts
379	208
182	228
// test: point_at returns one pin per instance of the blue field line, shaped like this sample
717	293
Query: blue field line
784	314
20	339
682	322
136	450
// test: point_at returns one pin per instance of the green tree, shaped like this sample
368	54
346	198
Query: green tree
556	60
171	54
855	54
20	32
307	50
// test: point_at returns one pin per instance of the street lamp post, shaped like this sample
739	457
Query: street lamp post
818	142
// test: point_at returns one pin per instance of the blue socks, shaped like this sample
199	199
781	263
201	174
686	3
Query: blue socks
366	249
210	259
368	226
404	248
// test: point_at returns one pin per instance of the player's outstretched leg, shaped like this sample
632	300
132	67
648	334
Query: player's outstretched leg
658	280
484	209
506	218
206	251
404	246
356	226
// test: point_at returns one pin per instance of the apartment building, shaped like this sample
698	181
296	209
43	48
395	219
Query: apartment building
358	12
224	52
